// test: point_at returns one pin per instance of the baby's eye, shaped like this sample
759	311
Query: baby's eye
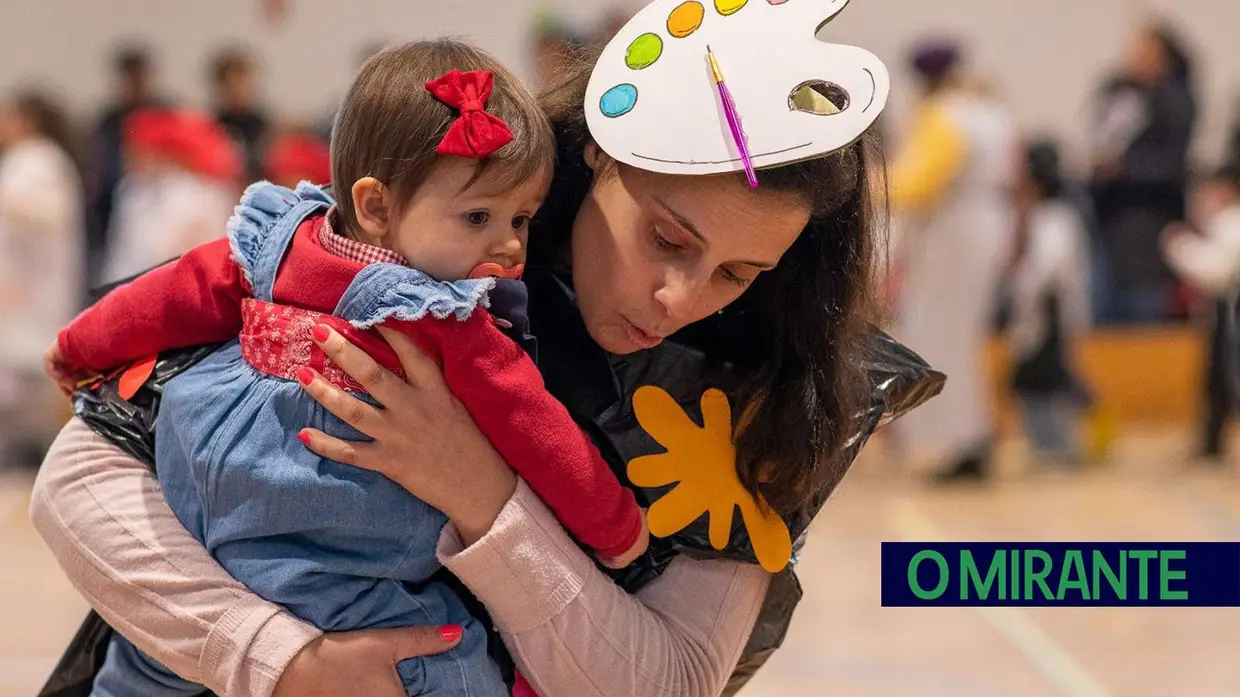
477	218
520	221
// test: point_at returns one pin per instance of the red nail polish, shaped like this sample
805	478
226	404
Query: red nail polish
304	437
305	376
450	633
320	332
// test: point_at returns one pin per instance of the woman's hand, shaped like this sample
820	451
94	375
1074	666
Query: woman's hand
424	439
361	662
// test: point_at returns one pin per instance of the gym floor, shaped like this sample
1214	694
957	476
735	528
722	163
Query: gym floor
842	642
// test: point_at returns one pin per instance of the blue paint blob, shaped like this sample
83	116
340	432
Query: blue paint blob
618	100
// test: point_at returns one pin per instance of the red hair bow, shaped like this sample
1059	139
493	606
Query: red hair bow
476	133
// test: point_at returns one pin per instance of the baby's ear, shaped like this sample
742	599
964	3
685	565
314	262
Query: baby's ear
375	209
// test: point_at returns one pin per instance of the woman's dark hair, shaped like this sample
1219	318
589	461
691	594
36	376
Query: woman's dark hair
49	121
793	339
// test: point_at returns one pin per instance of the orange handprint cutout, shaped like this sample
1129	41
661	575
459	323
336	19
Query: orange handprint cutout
703	462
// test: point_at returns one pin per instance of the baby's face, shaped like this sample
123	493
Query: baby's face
448	230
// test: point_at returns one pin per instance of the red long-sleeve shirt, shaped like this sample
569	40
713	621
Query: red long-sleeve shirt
197	300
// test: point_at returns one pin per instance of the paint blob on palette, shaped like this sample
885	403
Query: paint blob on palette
644	51
618	100
651	102
685	19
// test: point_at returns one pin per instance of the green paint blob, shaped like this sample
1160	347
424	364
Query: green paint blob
644	51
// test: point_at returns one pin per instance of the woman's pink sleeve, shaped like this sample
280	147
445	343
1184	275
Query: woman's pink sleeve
574	633
102	514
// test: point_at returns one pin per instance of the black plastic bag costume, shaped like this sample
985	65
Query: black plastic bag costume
593	385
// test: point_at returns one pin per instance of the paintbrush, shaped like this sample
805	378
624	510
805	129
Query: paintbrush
734	121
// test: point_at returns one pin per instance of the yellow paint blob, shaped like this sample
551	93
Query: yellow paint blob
727	7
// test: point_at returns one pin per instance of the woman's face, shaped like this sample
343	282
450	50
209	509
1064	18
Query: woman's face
652	253
1146	57
14	126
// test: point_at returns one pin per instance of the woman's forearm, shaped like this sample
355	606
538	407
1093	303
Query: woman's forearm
570	628
575	633
103	516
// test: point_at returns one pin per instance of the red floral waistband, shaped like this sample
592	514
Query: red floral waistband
276	340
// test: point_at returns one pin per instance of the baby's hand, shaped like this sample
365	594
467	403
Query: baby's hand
58	370
638	548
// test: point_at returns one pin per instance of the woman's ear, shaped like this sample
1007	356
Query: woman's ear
596	159
375	208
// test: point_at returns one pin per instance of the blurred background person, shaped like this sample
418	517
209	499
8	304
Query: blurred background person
1205	252
554	45
613	21
182	181
298	156
234	90
41	240
1141	140
133	76
1233	140
951	188
1050	307
324	121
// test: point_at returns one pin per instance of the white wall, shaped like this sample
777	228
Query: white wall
1046	56
307	60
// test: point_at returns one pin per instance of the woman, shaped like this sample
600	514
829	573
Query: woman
621	260
41	238
951	185
1145	125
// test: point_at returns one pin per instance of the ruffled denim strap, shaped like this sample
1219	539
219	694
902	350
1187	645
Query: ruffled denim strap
382	291
262	226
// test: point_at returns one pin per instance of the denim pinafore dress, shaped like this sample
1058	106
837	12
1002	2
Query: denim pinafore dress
340	547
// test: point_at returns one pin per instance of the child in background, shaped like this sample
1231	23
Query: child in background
297	157
1209	260
182	178
440	158
1050	306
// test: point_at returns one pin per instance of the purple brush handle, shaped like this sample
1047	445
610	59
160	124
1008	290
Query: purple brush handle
729	110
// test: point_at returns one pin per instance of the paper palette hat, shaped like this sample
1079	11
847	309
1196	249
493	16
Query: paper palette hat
668	89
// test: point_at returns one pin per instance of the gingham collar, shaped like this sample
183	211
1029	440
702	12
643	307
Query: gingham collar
352	250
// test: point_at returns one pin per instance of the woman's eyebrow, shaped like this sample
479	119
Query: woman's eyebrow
682	221
692	229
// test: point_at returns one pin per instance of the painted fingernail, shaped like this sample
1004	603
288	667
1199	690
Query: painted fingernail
305	376
304	437
450	633
320	332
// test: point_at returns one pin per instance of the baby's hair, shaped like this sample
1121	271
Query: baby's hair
389	124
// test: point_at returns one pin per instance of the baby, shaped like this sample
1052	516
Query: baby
441	158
